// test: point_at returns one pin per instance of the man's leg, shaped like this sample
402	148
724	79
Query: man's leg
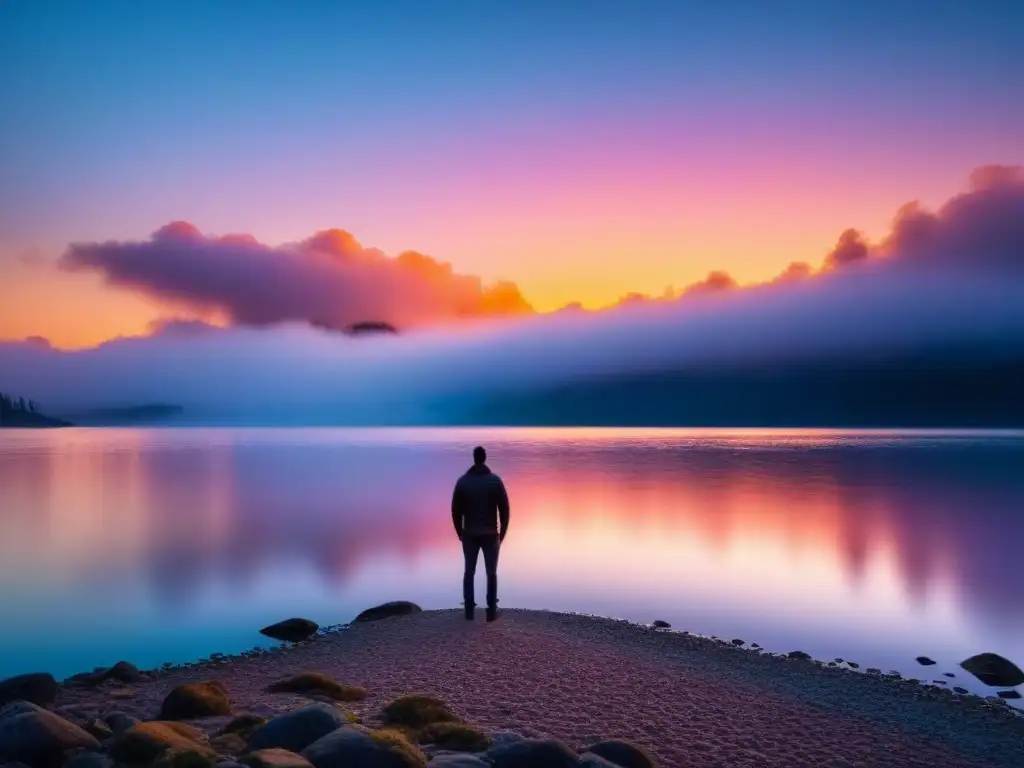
491	549
470	550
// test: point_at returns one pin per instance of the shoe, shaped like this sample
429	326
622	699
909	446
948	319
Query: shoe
492	614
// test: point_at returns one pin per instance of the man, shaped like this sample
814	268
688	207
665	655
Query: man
479	502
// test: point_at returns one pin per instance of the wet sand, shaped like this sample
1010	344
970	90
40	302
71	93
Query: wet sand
692	702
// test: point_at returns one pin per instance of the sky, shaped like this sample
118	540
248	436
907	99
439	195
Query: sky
582	151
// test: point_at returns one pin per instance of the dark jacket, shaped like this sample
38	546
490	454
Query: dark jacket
479	500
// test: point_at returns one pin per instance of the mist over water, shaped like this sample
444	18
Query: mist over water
167	545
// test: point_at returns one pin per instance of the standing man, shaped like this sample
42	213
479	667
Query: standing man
479	502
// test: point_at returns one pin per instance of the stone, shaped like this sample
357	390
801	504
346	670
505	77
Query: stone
243	725
590	760
39	688
123	672
799	655
387	610
455	736
297	729
925	661
853	665
229	744
659	624
532	753
737	642
1008	694
37	737
948	674
144	742
622	753
992	669
99	729
120	722
960	690
291	630
354	745
458	761
275	758
194	700
318	683
184	758
501	738
84	758
417	711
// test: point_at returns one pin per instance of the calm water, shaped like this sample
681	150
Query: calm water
167	545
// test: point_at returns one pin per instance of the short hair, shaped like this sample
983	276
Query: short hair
479	455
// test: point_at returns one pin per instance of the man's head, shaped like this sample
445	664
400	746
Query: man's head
479	455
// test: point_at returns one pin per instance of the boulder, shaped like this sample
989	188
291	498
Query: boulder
1008	694
318	683
659	624
799	655
417	711
229	744
123	672
194	700
992	669
84	758
37	737
297	729
355	745
119	722
386	610
275	758
622	753
532	753
925	661
39	688
455	736
590	760
243	725
291	630
144	742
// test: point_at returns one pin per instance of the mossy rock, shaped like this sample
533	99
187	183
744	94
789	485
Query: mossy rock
243	725
318	683
417	711
193	700
183	758
387	610
354	745
144	742
456	736
274	758
397	744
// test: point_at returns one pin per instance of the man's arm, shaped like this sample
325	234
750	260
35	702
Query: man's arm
457	510
503	509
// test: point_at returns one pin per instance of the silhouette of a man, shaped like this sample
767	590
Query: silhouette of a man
479	504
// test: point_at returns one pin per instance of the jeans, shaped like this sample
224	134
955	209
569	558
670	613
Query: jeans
471	547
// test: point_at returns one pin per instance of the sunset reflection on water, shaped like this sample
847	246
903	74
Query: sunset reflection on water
157	545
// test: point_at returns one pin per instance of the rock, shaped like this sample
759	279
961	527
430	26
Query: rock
992	669
925	661
501	738
120	722
960	690
386	610
458	761
590	760
123	672
275	758
297	729
416	711
455	736
659	624
291	630
532	753
39	688
84	758
737	642
354	745
229	744
948	674
183	758
144	742
37	737
622	753
243	725
1008	694
193	700
317	682
99	729
853	665
799	655
754	645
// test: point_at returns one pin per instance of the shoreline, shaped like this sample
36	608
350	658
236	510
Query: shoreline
582	678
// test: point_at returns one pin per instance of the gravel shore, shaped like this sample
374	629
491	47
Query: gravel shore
692	702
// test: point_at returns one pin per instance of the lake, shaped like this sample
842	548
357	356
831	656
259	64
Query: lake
164	545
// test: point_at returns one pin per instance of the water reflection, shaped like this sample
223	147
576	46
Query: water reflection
169	544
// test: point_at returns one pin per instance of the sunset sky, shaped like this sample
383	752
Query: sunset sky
581	150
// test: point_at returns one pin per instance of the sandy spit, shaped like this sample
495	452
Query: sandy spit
693	702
